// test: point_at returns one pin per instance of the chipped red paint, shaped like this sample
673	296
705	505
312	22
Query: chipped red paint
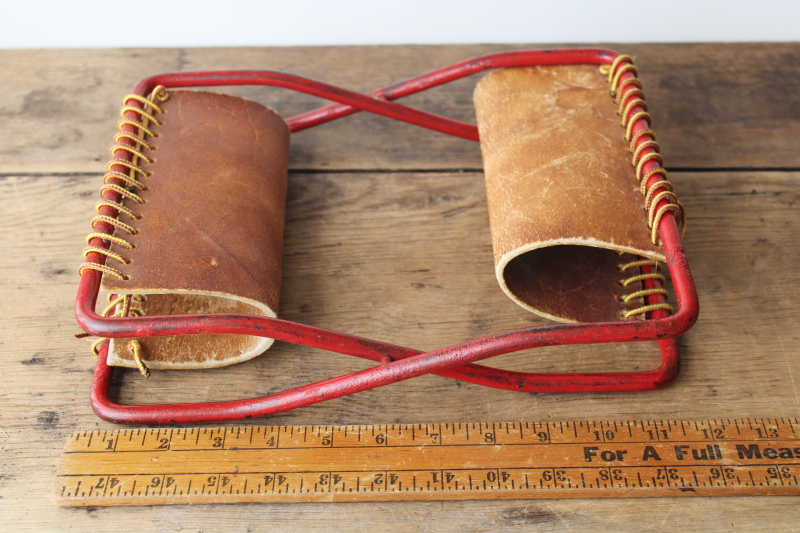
455	362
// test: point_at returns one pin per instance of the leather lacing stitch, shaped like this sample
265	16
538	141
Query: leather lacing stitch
644	292
629	97
124	185
125	305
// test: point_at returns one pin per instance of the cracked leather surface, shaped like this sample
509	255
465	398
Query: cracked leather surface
562	195
211	234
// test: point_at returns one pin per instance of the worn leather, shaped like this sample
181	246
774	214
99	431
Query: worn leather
562	195
211	234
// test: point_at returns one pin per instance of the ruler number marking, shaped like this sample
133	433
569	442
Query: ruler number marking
753	455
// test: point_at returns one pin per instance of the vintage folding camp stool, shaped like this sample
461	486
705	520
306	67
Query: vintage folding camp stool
550	134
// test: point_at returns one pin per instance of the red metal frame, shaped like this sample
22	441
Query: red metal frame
397	363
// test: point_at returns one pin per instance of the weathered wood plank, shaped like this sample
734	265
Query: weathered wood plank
405	257
714	105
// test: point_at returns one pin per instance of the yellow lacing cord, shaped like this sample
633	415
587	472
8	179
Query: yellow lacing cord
114	300
627	67
111	238
642	262
644	180
124	184
677	210
107	253
111	221
118	206
628	95
135	138
143	131
644	159
127	309
608	69
619	94
642	277
632	120
663	195
136	349
638	135
658	186
637	153
144	114
134	168
125	193
644	292
648	309
636	102
131	150
127	180
102	268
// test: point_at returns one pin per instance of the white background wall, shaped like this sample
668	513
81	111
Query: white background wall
140	23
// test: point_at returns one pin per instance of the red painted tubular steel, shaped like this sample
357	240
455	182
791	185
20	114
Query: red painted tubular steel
397	363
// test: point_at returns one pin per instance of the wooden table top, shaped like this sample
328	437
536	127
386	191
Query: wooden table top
387	237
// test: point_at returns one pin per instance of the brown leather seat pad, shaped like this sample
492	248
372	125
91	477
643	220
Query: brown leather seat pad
211	234
560	186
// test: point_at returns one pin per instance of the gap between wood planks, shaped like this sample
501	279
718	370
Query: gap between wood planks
405	171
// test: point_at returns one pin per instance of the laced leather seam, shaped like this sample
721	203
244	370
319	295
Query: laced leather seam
643	145
125	185
659	197
644	292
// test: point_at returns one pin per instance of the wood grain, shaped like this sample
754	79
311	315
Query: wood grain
382	240
405	257
714	105
401	462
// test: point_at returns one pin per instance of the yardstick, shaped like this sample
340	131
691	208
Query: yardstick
444	461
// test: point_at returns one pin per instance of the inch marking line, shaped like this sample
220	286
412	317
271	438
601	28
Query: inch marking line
442	461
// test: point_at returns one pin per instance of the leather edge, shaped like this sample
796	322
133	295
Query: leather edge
262	346
501	264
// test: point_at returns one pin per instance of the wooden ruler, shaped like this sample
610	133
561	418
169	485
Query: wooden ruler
447	461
